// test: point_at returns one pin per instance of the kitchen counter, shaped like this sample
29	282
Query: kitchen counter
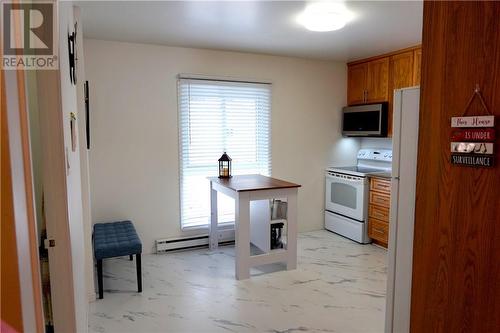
384	175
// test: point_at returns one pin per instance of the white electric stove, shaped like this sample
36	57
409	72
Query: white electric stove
346	199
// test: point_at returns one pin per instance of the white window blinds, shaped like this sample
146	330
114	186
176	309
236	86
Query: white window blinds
217	117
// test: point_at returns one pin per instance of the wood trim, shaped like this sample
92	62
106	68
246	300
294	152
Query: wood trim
359	61
23	195
11	311
30	197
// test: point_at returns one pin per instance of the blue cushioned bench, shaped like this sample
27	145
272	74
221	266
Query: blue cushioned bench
116	239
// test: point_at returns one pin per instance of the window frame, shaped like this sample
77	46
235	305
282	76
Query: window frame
228	225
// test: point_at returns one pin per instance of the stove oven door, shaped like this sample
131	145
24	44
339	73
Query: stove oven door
346	195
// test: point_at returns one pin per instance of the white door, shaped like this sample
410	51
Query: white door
57	99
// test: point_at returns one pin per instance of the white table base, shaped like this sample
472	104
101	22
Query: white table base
243	260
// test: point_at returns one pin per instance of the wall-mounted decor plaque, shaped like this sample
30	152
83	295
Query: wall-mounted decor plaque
473	137
473	134
474	121
473	160
483	148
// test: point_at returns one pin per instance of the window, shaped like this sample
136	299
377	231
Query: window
216	117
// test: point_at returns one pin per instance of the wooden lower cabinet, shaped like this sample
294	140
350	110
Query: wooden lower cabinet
378	210
379	231
380	199
380	185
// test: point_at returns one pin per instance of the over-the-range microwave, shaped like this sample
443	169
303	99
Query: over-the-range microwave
365	120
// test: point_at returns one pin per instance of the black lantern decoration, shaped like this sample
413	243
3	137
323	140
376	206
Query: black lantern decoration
225	166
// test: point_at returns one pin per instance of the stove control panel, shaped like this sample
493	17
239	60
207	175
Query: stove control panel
384	155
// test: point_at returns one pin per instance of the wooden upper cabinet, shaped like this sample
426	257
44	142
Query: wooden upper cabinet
373	80
400	76
356	83
401	70
377	80
417	59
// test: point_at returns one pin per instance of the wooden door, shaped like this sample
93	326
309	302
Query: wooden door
456	254
19	212
417	59
400	76
356	83
11	310
377	81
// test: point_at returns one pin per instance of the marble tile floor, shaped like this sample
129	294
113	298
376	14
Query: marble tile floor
338	286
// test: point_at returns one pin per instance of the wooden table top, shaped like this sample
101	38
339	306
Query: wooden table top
245	183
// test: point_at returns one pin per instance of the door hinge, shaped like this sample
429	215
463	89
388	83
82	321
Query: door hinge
49	243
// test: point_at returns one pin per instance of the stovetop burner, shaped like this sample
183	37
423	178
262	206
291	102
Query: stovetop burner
370	162
359	169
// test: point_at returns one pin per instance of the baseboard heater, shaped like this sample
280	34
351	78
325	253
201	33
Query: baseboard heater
186	243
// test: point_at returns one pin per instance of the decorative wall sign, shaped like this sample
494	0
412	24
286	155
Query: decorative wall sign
484	148
482	134
470	153
473	160
475	121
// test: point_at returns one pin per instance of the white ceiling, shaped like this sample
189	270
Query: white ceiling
258	26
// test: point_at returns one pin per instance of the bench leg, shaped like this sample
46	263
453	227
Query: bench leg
131	257
139	274
99	278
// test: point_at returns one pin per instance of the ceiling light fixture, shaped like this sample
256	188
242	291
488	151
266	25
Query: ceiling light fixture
323	16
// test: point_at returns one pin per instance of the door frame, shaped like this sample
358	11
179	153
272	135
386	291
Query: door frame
23	201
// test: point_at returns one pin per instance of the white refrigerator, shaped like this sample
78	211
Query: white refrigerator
403	185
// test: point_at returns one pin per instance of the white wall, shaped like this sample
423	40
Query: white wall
385	143
134	169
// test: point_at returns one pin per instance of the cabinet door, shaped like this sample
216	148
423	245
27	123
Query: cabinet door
378	231
417	55
400	76
377	80
402	70
356	83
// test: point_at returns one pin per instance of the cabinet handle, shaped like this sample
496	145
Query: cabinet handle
380	231
366	96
